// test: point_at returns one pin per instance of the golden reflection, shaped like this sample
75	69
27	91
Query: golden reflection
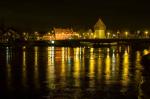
68	53
91	66
69	61
113	66
83	51
138	66
146	51
8	65
24	72
76	51
117	64
63	69
50	68
91	53
36	73
77	67
91	69
82	63
91	50
108	50
107	67
63	62
99	65
36	56
125	71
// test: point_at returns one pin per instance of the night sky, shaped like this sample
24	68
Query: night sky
42	15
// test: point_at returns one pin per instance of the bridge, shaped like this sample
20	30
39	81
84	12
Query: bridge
81	42
109	40
97	42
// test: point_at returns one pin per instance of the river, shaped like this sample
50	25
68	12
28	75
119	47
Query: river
48	72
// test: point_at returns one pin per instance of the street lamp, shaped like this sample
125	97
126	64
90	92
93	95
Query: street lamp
138	33
49	33
36	33
126	34
24	33
108	34
146	33
118	33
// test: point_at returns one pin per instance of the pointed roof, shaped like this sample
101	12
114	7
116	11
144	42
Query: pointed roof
99	25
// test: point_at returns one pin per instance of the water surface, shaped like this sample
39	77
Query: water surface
70	72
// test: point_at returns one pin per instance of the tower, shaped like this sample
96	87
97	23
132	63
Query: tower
99	29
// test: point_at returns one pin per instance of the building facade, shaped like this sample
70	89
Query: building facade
63	33
99	30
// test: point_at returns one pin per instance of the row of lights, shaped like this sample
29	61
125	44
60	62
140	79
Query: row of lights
108	34
146	33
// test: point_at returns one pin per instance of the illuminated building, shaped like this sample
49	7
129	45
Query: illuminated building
62	33
48	36
90	34
99	29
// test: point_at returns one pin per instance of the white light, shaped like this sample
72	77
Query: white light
52	42
114	35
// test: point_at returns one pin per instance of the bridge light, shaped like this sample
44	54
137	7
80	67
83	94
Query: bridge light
49	33
36	33
108	34
138	31
52	31
113	35
118	32
146	33
24	33
52	42
126	33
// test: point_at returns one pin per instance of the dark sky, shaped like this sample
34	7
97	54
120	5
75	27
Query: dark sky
41	15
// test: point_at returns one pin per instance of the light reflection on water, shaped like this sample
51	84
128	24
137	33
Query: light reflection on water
50	68
8	66
24	68
36	70
75	70
125	68
107	67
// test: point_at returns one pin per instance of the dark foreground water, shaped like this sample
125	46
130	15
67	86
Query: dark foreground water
70	73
